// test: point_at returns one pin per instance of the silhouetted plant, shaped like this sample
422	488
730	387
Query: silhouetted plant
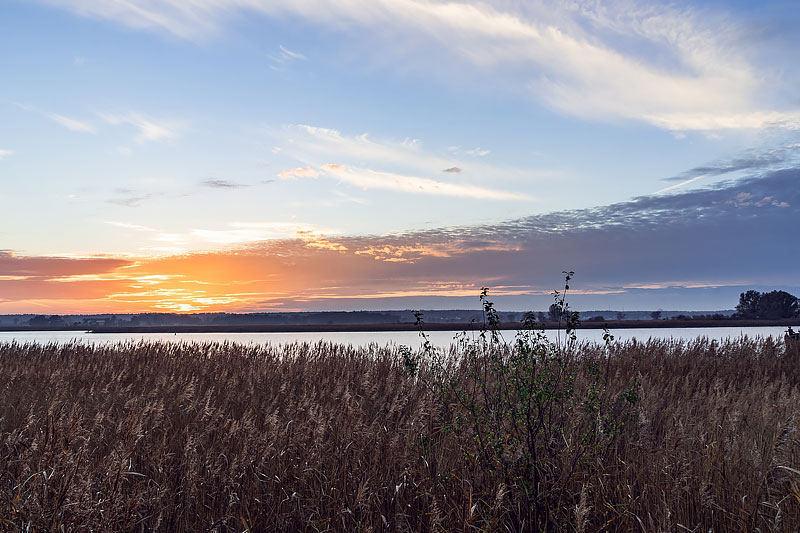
528	413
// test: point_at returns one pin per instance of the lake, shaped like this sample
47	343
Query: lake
358	338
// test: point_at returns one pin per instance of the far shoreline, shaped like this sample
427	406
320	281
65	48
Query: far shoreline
410	326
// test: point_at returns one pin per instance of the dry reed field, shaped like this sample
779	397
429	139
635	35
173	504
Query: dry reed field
657	436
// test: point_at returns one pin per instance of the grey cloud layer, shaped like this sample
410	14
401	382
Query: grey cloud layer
771	159
742	232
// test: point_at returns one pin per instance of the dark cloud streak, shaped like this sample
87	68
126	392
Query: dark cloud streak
50	267
771	159
222	184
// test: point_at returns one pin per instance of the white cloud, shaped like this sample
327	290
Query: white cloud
189	21
241	232
673	68
315	146
313	142
5	153
135	227
330	143
711	121
71	123
371	179
288	54
285	56
68	122
679	185
303	172
475	152
367	164
149	129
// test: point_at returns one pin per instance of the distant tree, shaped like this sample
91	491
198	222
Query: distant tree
554	313
540	316
47	321
767	305
621	316
748	304
778	304
655	315
39	320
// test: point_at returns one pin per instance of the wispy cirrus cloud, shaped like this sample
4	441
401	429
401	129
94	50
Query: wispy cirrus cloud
284	56
314	147
367	179
318	145
70	123
474	152
245	232
402	166
372	179
681	184
127	225
671	66
149	129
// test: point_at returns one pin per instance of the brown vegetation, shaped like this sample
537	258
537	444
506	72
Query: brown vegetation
660	436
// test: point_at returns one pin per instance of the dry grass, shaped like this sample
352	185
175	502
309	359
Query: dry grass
323	437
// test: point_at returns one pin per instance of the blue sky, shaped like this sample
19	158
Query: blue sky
139	134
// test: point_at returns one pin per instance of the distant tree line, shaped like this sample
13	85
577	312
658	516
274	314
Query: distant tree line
712	316
767	305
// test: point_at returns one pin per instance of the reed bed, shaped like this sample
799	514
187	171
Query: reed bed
684	436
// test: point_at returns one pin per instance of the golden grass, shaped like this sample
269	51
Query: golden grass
322	437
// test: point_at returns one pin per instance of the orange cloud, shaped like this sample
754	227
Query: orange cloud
254	277
407	253
304	172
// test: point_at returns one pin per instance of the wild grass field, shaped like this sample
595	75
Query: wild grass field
530	436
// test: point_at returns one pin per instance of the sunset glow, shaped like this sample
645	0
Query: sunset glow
164	156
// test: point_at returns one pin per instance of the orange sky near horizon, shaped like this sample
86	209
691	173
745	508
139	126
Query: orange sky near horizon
629	256
270	276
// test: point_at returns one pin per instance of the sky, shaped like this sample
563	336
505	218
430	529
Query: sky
255	155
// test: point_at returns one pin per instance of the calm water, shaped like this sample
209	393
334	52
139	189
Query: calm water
411	338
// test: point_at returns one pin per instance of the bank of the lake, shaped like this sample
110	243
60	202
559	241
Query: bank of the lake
410	326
